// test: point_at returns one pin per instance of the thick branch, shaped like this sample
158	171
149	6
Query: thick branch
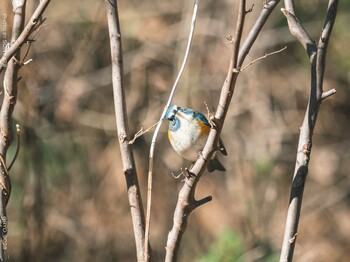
134	195
297	30
317	63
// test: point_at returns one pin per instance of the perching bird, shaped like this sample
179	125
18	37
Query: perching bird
188	132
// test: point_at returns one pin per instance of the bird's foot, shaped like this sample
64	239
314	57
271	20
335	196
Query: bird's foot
184	172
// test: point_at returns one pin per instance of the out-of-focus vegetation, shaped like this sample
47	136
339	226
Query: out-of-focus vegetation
69	199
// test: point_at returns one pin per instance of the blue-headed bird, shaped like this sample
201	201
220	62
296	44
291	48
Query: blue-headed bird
188	132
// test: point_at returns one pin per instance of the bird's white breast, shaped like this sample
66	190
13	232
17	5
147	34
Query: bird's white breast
186	140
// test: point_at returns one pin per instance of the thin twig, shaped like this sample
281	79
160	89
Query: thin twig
141	132
256	29
32	41
328	93
18	133
154	138
263	57
4	182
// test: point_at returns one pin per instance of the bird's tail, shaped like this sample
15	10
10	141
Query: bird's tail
215	164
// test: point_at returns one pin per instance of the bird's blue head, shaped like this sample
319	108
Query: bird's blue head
174	121
171	112
175	113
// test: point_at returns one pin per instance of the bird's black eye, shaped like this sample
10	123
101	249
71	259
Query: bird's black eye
172	115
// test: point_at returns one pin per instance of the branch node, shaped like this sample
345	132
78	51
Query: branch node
307	148
141	132
122	137
250	9
236	70
293	238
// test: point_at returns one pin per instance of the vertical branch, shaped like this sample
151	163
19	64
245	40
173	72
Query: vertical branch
317	63
186	200
134	195
6	134
11	61
154	138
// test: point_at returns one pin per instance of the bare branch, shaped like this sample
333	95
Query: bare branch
31	26
129	169
8	105
186	201
250	9
263	57
141	132
154	138
269	6
317	64
323	44
328	93
297	30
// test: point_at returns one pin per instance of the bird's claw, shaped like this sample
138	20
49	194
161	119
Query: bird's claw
184	172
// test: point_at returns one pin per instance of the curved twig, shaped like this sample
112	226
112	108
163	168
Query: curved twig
18	133
154	138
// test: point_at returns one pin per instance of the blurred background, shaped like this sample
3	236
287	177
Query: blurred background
69	200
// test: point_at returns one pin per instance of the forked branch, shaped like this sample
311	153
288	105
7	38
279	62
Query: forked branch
34	22
186	200
10	61
129	168
317	56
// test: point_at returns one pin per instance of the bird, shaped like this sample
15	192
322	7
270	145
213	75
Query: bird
188	132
